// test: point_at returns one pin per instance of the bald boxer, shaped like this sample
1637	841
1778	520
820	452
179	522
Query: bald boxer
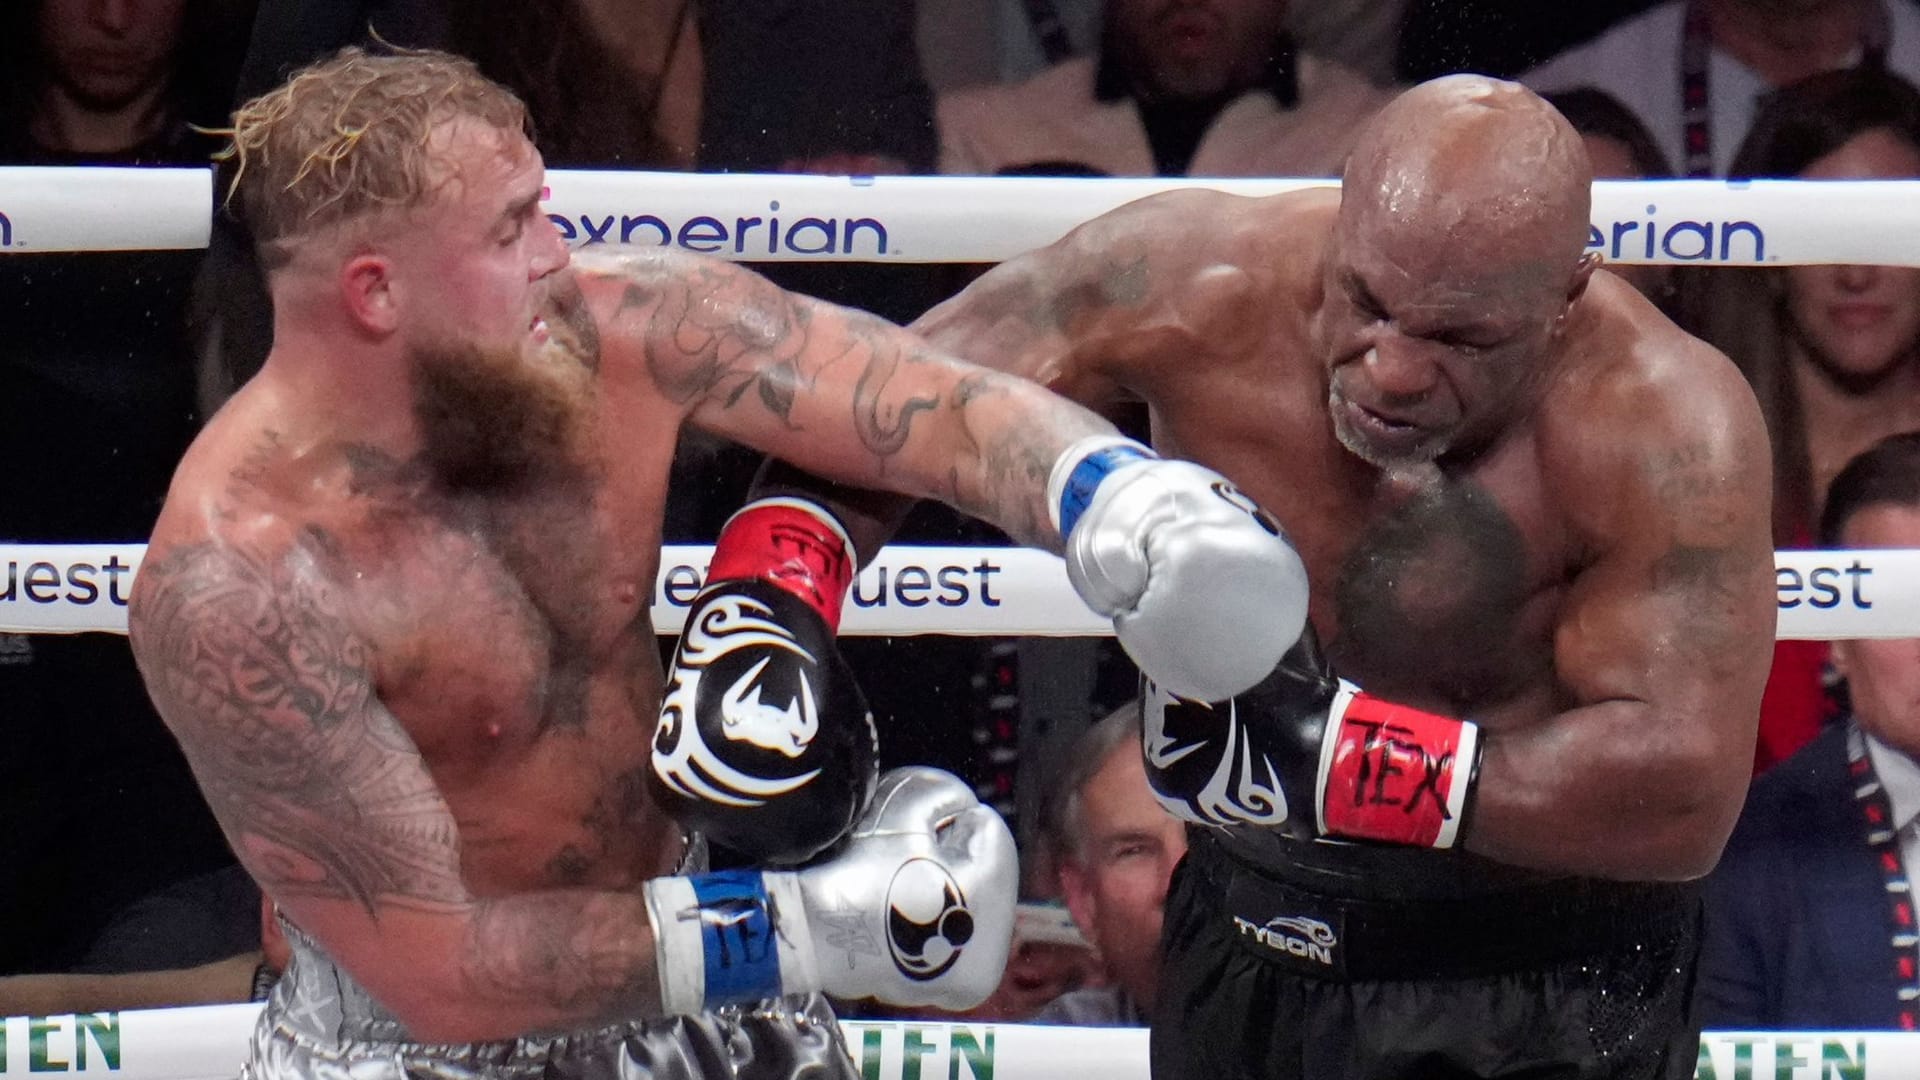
1460	841
395	611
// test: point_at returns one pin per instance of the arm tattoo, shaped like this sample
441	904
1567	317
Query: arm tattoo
1703	565
714	333
571	950
269	692
695	349
883	424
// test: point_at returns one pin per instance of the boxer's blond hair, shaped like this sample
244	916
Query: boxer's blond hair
347	138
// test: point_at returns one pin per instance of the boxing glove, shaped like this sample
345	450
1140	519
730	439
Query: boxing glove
916	909
764	742
1204	591
1312	755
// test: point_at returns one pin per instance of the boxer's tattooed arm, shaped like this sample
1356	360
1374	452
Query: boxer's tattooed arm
580	952
320	791
718	338
1706	568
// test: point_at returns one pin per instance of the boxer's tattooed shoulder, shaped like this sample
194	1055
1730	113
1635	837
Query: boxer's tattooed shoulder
568	949
252	660
710	333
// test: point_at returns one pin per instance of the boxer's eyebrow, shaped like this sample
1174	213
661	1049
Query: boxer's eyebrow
519	207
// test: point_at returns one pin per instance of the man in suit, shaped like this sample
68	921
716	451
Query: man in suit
1810	919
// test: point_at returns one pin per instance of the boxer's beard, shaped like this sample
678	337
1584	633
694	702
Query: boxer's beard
491	421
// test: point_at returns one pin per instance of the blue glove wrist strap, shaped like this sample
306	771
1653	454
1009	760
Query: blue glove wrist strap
1086	477
737	928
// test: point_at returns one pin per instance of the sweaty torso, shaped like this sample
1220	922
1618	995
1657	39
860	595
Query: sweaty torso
506	630
512	641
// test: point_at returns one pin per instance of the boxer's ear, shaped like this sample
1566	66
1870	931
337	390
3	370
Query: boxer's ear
1582	274
366	291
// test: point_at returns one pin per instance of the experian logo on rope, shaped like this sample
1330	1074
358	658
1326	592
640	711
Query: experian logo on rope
742	236
1737	243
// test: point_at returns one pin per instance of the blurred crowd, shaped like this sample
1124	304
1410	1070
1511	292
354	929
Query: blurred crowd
120	890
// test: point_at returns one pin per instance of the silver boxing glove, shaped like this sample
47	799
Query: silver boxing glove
915	909
1205	593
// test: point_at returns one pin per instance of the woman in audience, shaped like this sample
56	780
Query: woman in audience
1830	350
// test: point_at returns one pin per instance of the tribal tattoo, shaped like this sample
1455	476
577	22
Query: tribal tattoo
269	691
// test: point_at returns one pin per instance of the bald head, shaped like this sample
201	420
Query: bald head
1468	167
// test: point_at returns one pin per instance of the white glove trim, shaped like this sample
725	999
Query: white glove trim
1464	756
1329	739
679	949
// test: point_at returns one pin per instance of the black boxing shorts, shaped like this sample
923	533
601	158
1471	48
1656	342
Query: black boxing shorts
1572	978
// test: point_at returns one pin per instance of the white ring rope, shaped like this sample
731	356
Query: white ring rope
963	591
908	219
209	1042
1823	595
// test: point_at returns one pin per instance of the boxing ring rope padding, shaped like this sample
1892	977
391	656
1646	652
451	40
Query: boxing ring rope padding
919	219
962	591
209	1042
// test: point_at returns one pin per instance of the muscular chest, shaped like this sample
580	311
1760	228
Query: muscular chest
1440	590
500	622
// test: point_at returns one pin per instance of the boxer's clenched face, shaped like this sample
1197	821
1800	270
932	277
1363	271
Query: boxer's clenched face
1453	263
497	390
1425	359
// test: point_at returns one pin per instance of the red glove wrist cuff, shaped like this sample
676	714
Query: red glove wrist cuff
1394	773
793	544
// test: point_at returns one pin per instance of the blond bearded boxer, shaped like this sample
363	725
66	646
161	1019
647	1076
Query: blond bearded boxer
395	610
1534	517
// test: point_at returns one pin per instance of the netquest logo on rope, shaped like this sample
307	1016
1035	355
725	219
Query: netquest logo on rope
776	232
1735	243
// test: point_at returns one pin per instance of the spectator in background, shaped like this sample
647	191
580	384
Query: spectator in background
1833	352
1202	88
1621	149
1362	34
114	81
1116	849
96	406
1810	923
1693	70
206	940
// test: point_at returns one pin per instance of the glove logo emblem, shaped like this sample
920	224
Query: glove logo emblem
1227	784
928	921
747	719
1234	497
682	758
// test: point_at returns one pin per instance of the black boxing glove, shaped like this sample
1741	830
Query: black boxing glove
765	742
1313	755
